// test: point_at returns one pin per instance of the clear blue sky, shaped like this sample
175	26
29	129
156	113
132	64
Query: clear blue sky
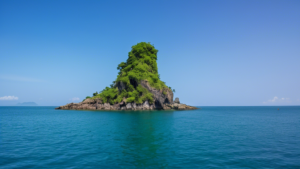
214	53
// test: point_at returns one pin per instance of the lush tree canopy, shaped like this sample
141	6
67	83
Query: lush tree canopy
140	65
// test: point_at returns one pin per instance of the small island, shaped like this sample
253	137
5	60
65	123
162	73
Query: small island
137	87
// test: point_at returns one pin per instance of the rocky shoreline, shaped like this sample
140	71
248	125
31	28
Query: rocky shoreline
163	100
90	104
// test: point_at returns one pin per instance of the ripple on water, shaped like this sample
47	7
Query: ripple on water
213	137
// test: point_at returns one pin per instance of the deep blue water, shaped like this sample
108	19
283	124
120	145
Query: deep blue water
212	137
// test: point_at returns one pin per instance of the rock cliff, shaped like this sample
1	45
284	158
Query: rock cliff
161	98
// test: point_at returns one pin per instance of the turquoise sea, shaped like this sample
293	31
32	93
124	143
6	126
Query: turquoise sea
211	137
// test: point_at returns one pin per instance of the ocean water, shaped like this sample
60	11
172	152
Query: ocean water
211	137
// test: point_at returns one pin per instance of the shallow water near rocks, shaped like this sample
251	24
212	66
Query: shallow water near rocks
211	137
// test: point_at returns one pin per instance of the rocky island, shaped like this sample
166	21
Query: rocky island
137	87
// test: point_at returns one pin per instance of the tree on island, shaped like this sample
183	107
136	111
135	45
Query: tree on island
95	94
140	65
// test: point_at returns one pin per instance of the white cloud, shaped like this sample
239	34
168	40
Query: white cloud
277	100
74	99
9	98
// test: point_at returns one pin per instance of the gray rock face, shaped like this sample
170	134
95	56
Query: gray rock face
121	86
133	105
160	97
177	100
146	105
106	106
128	106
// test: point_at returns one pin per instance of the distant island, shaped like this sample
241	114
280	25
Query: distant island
27	104
137	87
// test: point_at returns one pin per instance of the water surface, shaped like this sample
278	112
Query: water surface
211	137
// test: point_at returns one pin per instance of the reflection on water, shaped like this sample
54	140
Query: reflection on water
144	137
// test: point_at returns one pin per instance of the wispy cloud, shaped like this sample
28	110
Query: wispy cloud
19	78
9	98
74	99
277	100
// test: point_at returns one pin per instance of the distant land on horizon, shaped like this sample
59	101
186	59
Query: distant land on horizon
27	104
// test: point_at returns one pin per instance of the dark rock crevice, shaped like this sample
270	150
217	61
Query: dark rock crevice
133	83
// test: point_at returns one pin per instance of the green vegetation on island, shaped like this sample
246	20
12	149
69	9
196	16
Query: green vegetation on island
137	86
140	65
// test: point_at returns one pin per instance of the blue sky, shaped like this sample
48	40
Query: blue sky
214	53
